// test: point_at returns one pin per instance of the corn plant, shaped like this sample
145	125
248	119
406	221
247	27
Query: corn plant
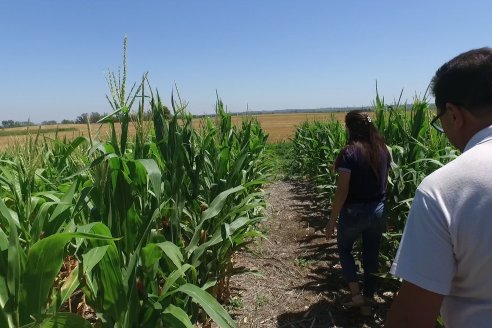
316	145
417	150
37	228
202	168
172	227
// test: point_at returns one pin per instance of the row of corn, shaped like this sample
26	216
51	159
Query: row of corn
129	231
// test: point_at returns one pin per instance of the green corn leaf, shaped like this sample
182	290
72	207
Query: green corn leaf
218	203
6	213
107	118
172	278
15	258
154	174
4	241
209	304
44	261
90	260
89	166
225	232
209	284
153	252
218	237
65	203
64	320
255	182
69	286
129	273
73	145
93	257
238	165
176	317
110	273
5	318
40	219
214	209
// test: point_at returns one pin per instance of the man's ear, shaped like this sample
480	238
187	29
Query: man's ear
456	114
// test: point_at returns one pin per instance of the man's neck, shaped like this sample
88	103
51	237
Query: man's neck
476	124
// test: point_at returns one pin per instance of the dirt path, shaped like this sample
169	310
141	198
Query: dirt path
298	281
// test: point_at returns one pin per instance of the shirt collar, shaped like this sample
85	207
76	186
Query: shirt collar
481	136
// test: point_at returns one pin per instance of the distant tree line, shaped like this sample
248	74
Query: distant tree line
93	117
15	124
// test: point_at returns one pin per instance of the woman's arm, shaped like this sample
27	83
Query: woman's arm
343	181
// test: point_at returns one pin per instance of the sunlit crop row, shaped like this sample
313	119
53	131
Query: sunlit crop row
129	232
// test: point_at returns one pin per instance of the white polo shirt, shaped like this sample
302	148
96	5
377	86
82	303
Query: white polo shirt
446	246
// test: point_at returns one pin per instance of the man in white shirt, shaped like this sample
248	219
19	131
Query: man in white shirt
445	255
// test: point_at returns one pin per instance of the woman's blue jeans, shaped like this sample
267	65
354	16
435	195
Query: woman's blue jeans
368	221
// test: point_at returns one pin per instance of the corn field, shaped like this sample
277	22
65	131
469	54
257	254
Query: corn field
416	150
141	231
129	232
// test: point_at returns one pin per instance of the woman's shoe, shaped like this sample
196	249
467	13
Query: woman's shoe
357	301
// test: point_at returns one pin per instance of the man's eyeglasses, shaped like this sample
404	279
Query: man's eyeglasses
436	123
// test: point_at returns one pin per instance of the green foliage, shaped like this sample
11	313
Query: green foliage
261	300
151	221
235	303
281	156
303	262
316	145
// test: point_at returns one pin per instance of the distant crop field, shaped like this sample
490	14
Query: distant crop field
280	127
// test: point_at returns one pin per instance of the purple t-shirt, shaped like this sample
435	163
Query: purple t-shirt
364	184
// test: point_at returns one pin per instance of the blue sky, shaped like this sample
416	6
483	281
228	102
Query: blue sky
263	54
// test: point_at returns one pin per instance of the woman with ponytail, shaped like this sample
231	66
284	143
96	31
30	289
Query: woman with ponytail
362	168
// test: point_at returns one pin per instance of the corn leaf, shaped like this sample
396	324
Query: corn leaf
175	317
153	252
154	174
5	318
4	241
172	278
44	261
209	304
64	320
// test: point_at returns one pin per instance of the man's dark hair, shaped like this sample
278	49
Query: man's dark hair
465	80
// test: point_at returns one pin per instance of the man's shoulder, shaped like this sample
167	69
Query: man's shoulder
462	167
440	178
465	171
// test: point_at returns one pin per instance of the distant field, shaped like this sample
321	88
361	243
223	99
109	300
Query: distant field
280	127
33	130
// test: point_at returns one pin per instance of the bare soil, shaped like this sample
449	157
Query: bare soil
295	277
